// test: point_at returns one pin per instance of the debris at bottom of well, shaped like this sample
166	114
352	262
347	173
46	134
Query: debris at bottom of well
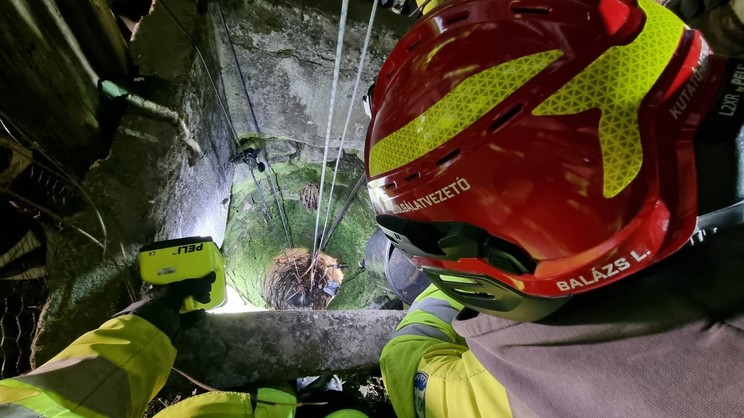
291	284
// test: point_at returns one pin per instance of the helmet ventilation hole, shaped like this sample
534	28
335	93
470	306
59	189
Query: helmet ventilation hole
509	114
505	117
390	73
457	17
390	186
529	10
449	157
413	176
411	45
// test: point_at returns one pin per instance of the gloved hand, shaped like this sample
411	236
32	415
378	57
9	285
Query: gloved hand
162	304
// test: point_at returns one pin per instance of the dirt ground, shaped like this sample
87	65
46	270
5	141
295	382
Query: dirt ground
296	282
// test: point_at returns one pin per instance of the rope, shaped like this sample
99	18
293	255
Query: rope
209	74
343	210
229	119
269	176
275	190
240	71
323	238
263	201
62	172
336	70
51	215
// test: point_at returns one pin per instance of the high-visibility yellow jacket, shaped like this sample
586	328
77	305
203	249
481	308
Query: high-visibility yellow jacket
115	371
429	371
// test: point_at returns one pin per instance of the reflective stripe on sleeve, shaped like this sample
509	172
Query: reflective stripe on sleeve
430	316
437	307
17	411
112	371
421	330
20	396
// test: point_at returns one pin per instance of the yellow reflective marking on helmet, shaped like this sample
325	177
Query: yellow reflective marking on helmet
463	105
616	83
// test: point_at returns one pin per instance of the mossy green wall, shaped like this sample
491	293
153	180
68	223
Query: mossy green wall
251	244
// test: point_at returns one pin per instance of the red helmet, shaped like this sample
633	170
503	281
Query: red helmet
524	151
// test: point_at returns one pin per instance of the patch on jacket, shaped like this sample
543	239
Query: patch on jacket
419	392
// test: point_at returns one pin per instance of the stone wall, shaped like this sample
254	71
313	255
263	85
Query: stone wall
286	52
147	188
151	188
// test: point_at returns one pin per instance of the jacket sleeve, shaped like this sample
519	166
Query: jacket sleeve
429	371
113	371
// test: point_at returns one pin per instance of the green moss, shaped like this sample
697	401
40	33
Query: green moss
251	243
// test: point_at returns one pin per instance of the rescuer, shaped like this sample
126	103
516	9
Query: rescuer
592	266
116	370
